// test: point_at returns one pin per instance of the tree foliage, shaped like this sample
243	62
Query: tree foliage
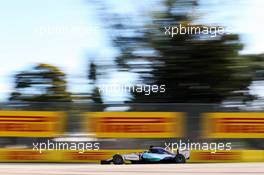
195	68
95	94
43	83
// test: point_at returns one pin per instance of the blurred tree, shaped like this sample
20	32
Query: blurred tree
255	63
44	83
195	68
95	95
92	72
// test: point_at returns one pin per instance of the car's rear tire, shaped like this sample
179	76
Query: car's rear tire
118	159
180	158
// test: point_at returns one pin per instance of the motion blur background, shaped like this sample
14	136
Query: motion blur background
56	55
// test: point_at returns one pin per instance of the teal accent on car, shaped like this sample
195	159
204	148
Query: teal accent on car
150	157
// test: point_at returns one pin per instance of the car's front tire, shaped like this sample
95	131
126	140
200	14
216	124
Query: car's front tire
180	158
118	159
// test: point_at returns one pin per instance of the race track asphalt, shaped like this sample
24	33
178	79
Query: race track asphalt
154	169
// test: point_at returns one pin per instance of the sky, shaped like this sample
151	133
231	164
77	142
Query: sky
67	33
244	17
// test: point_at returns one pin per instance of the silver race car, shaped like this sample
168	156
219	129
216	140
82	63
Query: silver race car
153	155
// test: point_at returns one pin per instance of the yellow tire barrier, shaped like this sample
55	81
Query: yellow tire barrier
135	124
227	156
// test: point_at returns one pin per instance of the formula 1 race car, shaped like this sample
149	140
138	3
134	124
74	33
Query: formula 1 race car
153	155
